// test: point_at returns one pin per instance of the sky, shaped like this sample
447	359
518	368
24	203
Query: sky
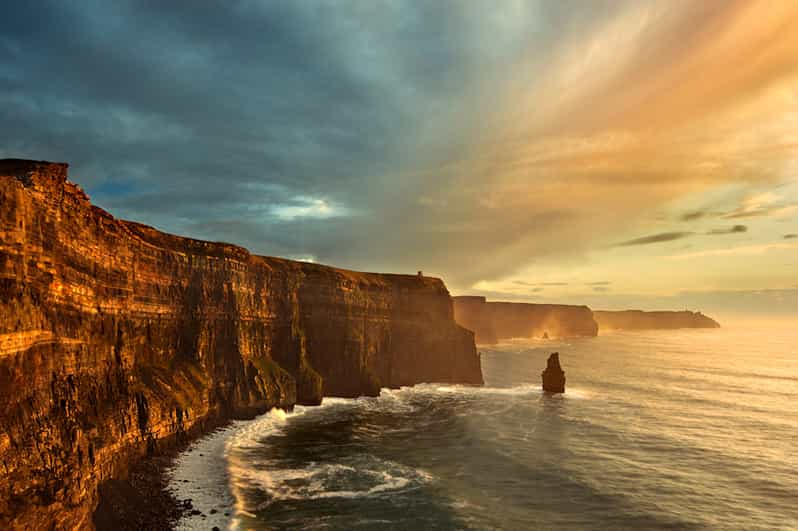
614	153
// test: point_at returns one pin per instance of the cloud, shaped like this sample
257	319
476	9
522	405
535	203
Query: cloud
656	238
693	215
525	283
600	283
736	251
308	207
438	133
790	236
601	289
762	205
736	229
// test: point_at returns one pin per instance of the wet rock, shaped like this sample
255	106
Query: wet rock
553	376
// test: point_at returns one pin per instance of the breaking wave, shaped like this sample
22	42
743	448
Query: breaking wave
654	431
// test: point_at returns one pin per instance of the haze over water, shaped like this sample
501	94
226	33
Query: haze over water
692	429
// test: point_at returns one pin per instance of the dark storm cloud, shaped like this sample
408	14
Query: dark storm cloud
212	119
736	229
790	236
655	238
198	116
393	136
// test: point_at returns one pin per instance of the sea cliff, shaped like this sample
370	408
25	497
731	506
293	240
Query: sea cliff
117	340
495	321
661	320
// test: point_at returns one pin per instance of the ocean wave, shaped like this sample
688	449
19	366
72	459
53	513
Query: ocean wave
250	435
359	477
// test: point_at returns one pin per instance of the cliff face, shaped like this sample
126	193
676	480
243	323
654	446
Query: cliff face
116	339
494	321
640	320
472	313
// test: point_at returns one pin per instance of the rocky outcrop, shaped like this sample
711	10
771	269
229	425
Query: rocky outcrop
495	321
640	320
553	376
117	339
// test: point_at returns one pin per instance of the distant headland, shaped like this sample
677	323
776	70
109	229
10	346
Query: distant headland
655	320
496	321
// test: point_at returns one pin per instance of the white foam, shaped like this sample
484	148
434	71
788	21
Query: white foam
324	480
525	389
360	476
199	474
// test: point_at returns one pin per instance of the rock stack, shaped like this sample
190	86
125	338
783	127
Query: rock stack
553	377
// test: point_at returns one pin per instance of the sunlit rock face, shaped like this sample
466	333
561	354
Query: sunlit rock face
117	339
640	320
553	376
495	321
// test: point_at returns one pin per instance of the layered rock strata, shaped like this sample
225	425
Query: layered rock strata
495	321
116	339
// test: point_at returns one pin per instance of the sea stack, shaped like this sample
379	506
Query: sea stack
553	377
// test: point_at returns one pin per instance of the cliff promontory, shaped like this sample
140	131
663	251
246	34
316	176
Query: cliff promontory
663	320
494	321
117	339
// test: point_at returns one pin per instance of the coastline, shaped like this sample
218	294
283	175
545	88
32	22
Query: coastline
144	499
118	341
197	479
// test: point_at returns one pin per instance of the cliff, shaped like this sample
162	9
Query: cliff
117	339
494	321
640	320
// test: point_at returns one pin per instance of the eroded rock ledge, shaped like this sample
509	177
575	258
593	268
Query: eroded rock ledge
116	339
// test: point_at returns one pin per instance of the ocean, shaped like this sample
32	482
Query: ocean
685	429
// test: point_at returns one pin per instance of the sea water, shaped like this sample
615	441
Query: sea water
686	429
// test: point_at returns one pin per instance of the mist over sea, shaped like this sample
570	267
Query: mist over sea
686	429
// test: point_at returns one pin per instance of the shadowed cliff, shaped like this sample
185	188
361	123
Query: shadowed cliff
663	320
117	339
495	321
